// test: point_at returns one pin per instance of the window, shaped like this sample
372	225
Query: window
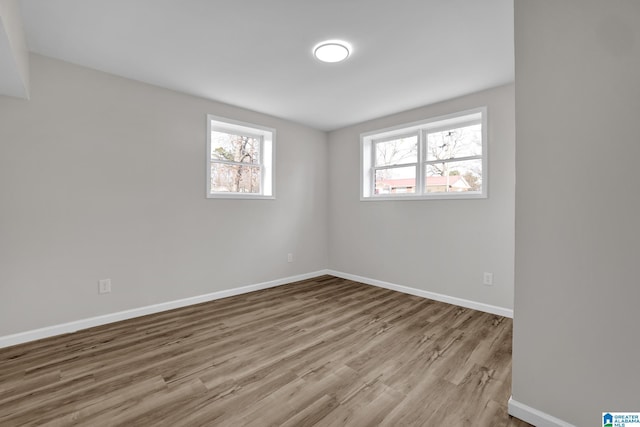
441	158
240	159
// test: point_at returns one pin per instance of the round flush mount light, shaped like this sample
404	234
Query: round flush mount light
332	51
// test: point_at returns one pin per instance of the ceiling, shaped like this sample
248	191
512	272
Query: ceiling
257	54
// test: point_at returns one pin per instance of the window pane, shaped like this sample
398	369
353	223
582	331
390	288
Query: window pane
234	178
455	143
396	180
397	151
454	177
234	148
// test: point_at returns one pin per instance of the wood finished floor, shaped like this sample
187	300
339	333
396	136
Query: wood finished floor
325	351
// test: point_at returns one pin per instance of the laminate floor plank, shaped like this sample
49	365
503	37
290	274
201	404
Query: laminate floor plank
320	352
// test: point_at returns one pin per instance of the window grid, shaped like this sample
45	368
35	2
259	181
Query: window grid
451	123
415	164
259	169
259	165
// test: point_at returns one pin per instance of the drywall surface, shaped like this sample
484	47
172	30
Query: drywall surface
104	177
14	54
441	246
577	293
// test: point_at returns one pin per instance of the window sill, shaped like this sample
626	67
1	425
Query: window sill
423	197
240	196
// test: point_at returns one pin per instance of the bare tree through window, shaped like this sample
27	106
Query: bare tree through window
235	163
449	146
240	159
389	155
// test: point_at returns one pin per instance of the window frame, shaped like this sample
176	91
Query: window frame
376	141
266	154
368	146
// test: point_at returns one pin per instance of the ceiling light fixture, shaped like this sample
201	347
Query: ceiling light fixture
332	51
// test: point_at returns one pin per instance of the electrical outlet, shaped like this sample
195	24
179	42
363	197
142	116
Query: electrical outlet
104	286
289	257
487	279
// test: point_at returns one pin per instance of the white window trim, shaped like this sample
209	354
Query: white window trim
421	128
267	137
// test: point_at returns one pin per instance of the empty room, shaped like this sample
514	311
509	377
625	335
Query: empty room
331	213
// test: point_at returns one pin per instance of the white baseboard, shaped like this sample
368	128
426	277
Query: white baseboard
534	416
77	325
487	308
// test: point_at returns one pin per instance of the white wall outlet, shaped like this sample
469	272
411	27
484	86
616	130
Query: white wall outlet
289	257
104	286
487	279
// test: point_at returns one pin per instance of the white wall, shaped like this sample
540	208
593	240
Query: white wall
103	177
14	55
577	293
441	246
